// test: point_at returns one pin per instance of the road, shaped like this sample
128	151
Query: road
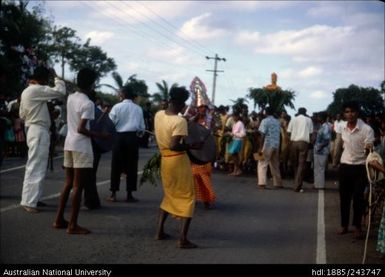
247	225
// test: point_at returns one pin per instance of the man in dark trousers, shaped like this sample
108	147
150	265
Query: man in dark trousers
358	138
101	123
128	119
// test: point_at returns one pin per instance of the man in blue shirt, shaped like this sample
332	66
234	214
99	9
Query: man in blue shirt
128	119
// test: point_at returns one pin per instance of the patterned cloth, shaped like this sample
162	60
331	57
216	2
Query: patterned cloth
381	234
202	180
322	143
271	129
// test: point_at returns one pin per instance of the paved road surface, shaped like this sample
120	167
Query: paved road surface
247	225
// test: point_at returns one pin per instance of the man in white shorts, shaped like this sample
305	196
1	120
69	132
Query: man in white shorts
78	155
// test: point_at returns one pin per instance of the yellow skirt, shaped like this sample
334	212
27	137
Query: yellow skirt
178	184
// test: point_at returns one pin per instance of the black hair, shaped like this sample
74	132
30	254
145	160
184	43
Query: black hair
353	105
86	77
322	115
41	73
128	92
179	95
302	111
269	110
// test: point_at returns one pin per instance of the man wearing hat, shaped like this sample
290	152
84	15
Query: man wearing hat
300	130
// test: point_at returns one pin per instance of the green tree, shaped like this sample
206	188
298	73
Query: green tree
118	81
107	98
92	57
382	86
277	98
63	46
369	98
240	105
164	92
23	35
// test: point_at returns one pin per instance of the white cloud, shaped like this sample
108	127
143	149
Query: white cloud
324	9
131	66
306	44
201	28
319	94
98	37
310	71
175	55
138	12
320	44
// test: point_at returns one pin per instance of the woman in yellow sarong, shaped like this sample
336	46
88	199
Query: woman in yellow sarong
176	175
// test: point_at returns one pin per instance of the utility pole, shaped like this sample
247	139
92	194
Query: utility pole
216	59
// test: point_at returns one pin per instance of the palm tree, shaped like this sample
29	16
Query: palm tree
277	98
239	104
118	81
164	92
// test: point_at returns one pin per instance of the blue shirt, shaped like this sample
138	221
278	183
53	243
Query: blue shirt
324	136
127	117
271	129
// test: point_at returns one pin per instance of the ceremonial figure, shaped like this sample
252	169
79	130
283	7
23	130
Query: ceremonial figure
273	85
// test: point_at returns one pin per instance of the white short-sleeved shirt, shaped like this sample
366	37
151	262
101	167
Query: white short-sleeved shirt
339	126
300	128
79	106
355	141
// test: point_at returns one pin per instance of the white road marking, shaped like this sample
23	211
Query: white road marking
321	242
22	166
52	196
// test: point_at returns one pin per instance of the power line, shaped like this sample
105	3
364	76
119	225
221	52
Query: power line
216	59
167	35
147	36
192	42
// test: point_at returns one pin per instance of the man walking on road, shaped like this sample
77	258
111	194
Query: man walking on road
300	130
34	112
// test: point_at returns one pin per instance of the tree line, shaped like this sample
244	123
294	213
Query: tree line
28	39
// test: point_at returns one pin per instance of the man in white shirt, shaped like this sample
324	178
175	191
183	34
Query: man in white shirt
78	154
300	130
128	119
34	112
358	138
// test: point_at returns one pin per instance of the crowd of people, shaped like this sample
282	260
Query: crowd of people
266	143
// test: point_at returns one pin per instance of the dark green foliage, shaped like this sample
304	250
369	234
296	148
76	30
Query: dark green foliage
24	30
92	57
151	170
164	92
278	99
370	100
27	39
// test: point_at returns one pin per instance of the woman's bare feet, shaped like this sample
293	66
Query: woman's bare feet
78	231
186	244
60	224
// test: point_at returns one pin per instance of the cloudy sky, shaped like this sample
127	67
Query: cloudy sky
315	47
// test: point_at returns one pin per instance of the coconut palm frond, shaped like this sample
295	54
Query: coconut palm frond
151	170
